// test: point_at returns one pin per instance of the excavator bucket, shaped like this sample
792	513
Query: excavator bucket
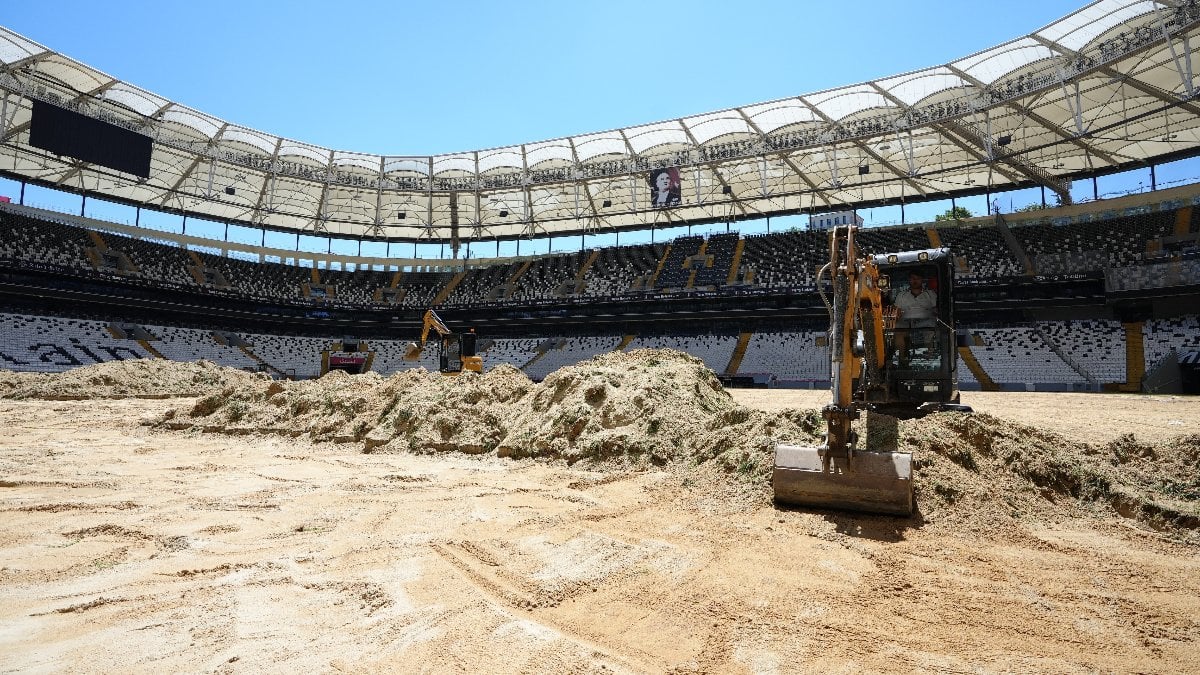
874	482
413	352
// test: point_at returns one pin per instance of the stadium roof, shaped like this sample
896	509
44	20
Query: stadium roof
1110	86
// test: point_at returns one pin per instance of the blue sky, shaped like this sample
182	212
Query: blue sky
434	77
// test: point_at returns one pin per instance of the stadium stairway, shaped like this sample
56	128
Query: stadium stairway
935	240
510	286
583	269
97	240
1013	244
736	263
1064	355
1183	221
662	262
1135	356
150	349
739	353
542	349
985	381
258	359
691	263
625	343
445	292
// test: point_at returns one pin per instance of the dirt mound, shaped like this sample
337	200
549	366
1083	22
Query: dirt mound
143	378
11	381
980	471
642	407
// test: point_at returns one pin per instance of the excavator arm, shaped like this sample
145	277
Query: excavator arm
432	321
837	475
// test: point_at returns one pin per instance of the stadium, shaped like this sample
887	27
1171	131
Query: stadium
216	395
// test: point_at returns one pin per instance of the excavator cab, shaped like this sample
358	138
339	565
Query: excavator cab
457	353
920	370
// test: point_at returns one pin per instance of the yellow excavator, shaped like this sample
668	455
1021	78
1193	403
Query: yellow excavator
456	351
890	354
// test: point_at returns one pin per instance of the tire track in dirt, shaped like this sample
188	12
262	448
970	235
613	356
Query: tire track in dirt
480	569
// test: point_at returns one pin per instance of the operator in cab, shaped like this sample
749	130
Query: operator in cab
916	314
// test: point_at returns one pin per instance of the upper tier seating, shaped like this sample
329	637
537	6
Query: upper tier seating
673	274
482	284
261	280
43	242
786	260
876	240
547	275
617	268
721	247
982	250
1079	247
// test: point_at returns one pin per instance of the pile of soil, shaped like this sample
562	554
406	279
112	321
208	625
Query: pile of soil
132	378
646	407
978	471
11	381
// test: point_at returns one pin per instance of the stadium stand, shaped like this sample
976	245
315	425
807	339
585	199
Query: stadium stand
1116	241
790	357
559	352
1097	347
714	350
1021	356
514	352
980	251
1162	336
189	344
617	270
44	242
786	260
548	277
53	345
673	274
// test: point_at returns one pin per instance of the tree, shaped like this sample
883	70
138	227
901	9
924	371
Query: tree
956	213
1036	206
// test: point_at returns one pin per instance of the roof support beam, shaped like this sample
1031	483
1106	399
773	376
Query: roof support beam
713	167
1044	123
790	163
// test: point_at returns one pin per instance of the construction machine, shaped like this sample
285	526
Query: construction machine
456	351
890	354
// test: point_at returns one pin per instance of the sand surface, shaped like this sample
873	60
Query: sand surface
125	546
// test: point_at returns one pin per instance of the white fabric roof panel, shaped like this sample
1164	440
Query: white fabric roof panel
918	134
778	114
916	87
